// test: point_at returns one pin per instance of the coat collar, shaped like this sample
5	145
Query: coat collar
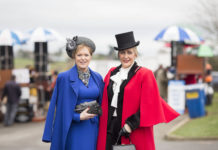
74	79
74	74
131	71
110	91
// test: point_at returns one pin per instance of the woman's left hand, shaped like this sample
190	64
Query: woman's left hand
85	115
127	127
125	131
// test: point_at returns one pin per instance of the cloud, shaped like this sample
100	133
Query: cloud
98	19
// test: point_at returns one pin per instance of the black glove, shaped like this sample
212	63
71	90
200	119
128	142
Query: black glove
124	132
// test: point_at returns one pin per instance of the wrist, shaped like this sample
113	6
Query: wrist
81	117
76	117
127	127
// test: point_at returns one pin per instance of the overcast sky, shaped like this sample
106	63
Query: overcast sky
99	20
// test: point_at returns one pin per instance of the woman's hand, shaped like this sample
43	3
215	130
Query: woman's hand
85	115
127	127
125	131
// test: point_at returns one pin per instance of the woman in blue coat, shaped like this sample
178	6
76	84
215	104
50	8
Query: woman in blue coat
64	128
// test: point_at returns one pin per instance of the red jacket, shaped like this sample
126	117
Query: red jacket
141	93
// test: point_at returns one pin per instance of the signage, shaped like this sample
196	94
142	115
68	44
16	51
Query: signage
176	95
22	75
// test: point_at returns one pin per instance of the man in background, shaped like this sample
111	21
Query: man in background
162	81
13	92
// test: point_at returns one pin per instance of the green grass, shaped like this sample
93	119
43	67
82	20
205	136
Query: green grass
202	127
22	62
59	66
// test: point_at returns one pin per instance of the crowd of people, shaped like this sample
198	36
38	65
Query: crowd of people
11	98
164	74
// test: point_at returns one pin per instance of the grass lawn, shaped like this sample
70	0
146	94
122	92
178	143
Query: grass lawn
22	62
204	127
59	66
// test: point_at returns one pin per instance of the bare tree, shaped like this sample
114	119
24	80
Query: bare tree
206	17
112	53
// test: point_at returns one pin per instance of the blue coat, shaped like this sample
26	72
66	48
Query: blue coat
60	113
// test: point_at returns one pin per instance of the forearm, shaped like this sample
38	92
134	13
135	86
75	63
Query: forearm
134	120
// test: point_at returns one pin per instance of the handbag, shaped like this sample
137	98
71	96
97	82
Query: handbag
123	147
94	107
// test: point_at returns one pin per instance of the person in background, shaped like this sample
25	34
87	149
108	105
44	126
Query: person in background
162	81
208	84
190	79
64	128
53	80
131	102
208	77
155	72
51	85
12	91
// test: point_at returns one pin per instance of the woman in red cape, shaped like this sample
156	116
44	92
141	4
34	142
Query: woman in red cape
131	102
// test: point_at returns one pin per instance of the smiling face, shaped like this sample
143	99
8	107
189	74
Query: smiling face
127	57
83	57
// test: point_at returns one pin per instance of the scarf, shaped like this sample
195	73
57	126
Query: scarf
84	76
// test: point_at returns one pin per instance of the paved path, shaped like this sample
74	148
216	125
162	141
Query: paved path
22	136
27	136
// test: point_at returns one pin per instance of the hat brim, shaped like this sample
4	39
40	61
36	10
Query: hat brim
123	48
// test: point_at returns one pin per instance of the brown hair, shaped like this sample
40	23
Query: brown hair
81	46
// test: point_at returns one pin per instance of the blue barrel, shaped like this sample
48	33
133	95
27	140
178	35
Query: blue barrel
195	100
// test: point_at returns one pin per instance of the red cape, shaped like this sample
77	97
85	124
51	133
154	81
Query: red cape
142	93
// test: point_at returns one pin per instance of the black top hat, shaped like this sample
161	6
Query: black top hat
125	41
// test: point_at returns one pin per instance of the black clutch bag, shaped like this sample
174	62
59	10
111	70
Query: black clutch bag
123	147
94	107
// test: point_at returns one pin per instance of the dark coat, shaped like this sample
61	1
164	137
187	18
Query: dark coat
63	101
13	92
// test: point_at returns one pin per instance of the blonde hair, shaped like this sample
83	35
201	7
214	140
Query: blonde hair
80	46
134	50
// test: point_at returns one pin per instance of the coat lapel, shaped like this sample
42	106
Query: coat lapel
98	82
74	80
